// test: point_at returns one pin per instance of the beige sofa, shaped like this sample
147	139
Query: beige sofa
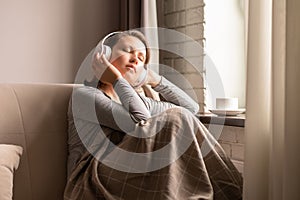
34	117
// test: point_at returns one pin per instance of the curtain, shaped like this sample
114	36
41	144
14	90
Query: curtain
149	22
272	163
130	14
137	14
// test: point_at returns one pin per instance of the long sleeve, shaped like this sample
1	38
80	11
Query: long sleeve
131	101
173	94
134	108
91	104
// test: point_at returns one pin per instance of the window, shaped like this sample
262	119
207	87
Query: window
225	45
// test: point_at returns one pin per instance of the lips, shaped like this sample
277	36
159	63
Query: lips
131	67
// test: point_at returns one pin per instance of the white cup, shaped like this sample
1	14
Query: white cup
227	103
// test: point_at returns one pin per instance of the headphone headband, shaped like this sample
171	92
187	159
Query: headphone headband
104	49
109	35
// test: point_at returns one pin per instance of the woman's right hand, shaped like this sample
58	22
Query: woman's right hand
105	71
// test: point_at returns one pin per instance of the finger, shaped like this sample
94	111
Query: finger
98	57
105	61
96	65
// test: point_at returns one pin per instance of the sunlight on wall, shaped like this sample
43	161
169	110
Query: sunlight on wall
225	44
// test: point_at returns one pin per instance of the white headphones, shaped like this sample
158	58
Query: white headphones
106	50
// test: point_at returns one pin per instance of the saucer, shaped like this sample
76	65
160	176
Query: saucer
223	112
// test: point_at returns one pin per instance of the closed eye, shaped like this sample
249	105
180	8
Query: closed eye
130	49
127	49
141	57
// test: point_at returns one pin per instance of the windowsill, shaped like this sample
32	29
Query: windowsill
238	120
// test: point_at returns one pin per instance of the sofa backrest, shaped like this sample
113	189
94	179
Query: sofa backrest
34	116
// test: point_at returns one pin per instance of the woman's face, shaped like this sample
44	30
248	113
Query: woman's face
129	56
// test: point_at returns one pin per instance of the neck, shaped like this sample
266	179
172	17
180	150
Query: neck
109	90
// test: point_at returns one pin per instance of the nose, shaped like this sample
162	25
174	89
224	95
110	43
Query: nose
134	58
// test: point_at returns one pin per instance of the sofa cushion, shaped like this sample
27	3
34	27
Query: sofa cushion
9	162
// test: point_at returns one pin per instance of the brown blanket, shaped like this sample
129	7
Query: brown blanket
181	161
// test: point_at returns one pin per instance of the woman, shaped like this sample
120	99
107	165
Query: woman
153	149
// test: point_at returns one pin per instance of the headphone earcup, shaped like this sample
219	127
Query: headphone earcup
107	52
103	49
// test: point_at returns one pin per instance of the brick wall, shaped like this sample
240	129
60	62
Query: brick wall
232	141
187	17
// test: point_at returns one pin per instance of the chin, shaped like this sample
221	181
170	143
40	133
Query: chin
128	77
